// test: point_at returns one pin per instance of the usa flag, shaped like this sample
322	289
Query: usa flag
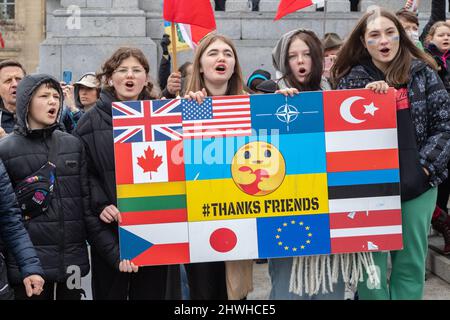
145	121
217	116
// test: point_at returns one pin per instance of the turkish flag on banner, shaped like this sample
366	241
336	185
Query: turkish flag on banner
194	12
359	109
288	6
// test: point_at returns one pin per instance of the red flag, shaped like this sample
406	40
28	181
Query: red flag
359	110
364	231
288	6
194	12
2	42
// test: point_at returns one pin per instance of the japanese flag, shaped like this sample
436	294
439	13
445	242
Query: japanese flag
223	240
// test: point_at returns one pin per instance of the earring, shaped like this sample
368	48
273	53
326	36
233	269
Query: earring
110	83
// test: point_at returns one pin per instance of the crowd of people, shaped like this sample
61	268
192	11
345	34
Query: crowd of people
57	171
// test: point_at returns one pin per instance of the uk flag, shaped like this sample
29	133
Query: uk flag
145	121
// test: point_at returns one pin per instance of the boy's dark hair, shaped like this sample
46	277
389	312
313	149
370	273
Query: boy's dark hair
12	63
50	84
408	16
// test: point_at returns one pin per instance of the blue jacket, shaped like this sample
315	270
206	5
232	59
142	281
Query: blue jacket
12	230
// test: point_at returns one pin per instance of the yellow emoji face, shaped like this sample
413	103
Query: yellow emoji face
258	168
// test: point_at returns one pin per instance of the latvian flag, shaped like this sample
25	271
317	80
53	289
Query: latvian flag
363	172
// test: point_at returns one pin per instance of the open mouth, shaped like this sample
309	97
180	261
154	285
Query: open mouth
52	112
221	68
302	71
385	51
129	84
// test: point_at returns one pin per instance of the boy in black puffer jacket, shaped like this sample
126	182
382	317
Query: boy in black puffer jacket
58	233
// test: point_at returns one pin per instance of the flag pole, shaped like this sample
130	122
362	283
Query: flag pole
324	17
174	50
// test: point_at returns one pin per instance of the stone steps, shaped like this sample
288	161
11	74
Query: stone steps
437	263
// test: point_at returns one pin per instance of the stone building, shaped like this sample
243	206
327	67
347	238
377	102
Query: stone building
22	26
82	33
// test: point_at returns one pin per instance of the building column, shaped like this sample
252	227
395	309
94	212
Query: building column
338	6
84	33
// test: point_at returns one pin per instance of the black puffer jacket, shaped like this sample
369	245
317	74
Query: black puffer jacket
59	234
95	131
12	231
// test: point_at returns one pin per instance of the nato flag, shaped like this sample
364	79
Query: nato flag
302	113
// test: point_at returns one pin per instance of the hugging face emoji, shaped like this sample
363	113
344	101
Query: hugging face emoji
258	168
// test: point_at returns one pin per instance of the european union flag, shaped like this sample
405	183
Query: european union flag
302	113
303	235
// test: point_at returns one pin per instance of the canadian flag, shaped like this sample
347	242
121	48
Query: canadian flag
149	162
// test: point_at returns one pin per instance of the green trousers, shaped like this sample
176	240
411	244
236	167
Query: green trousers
408	265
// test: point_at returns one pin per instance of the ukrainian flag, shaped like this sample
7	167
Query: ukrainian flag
212	194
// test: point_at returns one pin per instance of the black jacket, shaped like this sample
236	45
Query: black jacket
430	114
59	234
8	119
443	61
95	131
12	231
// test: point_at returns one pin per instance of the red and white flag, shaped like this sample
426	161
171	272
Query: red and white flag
362	231
361	126
149	162
223	240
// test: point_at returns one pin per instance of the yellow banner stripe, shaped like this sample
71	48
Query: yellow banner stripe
151	189
221	199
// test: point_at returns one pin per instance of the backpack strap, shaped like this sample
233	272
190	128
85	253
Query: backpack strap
53	147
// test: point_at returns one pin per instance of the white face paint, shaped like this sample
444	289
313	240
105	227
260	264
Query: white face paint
381	40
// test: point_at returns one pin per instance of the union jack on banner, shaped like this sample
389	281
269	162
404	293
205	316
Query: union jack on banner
144	121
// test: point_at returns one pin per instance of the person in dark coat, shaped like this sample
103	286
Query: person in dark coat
17	241
11	72
124	77
377	55
58	234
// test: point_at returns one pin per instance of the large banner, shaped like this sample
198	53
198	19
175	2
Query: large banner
261	176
